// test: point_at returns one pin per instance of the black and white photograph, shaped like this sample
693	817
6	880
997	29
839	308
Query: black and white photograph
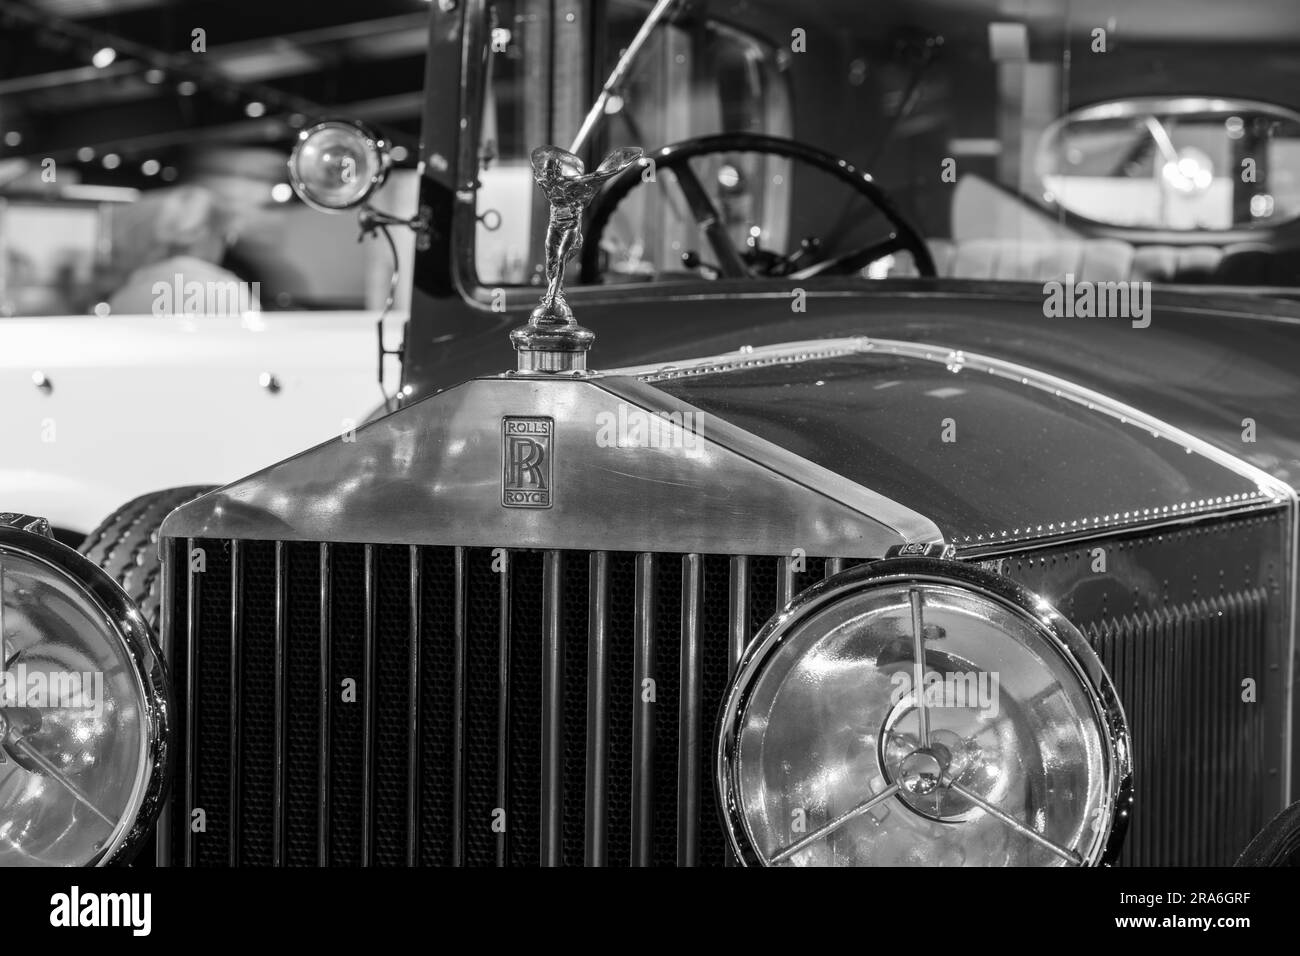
650	433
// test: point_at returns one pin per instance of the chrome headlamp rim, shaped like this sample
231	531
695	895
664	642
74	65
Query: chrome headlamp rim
372	142
120	613
1107	709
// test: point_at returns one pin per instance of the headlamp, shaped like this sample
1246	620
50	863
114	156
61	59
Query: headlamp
83	710
337	165
918	711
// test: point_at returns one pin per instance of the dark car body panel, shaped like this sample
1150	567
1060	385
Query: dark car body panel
988	458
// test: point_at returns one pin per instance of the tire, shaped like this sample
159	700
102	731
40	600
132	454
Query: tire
1278	844
126	545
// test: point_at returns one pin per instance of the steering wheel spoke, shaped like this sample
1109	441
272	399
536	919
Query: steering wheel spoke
710	221
853	261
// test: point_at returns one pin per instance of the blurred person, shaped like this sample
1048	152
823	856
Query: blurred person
183	244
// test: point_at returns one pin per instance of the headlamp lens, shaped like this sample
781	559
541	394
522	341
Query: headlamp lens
993	752
74	735
336	166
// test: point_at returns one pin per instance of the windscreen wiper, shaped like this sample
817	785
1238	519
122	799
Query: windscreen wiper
655	17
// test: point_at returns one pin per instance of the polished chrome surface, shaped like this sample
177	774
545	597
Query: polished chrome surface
193	585
595	802
369	685
785	571
737	612
30	537
234	646
1068	641
552	748
323	716
164	845
1172	652
281	767
21	522
918	660
430	474
643	689
503	705
372	144
413	691
689	748
460	636
553	341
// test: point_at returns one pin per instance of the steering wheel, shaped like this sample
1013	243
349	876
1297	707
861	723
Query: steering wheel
753	262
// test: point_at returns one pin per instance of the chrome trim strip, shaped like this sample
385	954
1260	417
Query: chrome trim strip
503	705
597	715
323	715
192	589
1290	742
1174	520
368	713
552	710
643	733
236	675
689	721
737	612
459	631
167	639
413	725
281	782
737	630
784	582
834	566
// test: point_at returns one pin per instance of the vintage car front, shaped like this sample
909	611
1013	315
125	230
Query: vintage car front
904	574
500	625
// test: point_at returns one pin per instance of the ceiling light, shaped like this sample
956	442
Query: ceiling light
104	57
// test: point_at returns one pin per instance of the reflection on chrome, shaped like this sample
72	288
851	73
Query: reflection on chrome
82	711
830	765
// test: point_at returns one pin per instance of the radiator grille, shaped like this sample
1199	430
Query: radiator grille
379	704
1180	618
1200	749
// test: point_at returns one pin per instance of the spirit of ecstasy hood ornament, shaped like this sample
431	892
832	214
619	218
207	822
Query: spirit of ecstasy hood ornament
553	341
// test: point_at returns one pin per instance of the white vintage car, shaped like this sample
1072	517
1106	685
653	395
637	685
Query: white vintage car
172	401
